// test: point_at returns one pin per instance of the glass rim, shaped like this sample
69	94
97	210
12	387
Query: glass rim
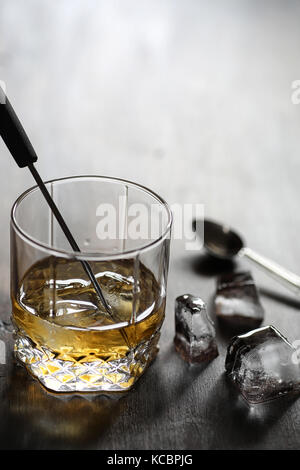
81	255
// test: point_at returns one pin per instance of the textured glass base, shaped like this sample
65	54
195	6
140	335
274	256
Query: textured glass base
66	376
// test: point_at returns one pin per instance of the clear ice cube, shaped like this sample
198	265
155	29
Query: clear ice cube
263	365
195	333
237	301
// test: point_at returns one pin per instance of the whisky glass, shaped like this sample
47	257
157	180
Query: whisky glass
63	334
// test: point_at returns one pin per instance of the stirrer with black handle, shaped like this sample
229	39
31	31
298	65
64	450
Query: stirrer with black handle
19	145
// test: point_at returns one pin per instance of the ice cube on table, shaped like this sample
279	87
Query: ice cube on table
195	334
237	301
263	365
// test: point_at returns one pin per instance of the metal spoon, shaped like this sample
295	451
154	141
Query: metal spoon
222	242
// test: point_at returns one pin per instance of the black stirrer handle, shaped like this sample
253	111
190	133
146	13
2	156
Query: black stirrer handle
19	145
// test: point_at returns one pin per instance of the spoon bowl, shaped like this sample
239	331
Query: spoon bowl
220	241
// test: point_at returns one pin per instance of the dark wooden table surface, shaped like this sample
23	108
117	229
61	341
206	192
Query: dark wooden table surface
192	99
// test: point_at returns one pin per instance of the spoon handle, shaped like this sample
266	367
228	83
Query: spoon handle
289	279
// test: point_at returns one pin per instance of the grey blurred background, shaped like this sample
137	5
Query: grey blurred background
191	98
